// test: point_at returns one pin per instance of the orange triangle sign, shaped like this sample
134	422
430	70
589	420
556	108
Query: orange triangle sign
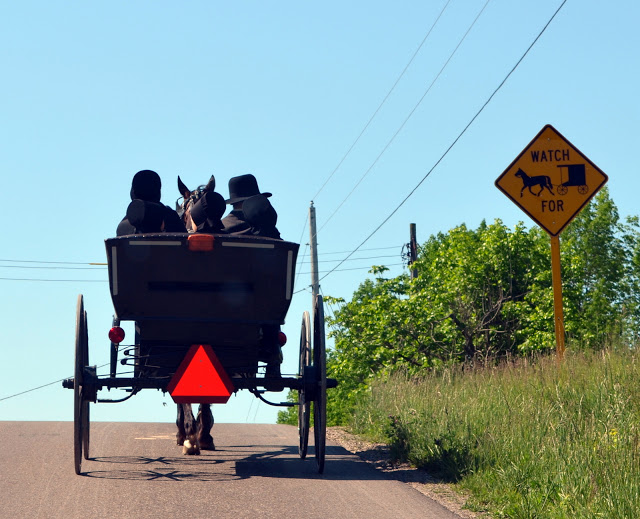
200	378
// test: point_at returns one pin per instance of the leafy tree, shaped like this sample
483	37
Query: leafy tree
487	293
598	276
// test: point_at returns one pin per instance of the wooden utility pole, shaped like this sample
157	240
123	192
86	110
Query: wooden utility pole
413	249
313	248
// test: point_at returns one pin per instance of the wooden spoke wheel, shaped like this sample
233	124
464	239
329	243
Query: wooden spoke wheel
320	368
583	190
562	190
80	402
304	396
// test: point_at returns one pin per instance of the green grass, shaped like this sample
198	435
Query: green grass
527	439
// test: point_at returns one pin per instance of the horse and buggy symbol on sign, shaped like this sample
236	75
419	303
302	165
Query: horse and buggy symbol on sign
559	178
575	175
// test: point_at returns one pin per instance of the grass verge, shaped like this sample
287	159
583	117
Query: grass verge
527	439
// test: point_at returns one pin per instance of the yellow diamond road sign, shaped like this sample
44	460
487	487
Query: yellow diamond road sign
551	180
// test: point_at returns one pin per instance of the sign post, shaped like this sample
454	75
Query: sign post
551	181
556	280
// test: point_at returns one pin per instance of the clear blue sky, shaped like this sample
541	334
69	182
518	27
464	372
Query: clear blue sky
94	91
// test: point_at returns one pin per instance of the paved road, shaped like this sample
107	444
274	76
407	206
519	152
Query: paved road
137	471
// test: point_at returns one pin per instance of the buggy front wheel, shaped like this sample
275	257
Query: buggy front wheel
304	395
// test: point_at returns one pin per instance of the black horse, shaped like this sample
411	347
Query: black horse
194	434
528	182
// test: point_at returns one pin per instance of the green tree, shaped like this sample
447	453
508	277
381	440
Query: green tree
484	294
599	283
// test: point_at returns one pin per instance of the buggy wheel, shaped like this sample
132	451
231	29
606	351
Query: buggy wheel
320	368
304	398
80	404
85	401
562	190
583	190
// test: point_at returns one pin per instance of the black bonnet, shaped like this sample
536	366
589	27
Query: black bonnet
146	186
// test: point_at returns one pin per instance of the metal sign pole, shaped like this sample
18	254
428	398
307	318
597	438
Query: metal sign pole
557	296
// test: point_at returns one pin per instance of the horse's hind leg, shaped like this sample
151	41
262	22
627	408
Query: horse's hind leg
181	435
186	435
205	423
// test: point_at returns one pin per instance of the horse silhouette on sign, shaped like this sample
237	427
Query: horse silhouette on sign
543	181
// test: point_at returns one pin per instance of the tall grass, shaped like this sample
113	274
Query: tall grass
527	439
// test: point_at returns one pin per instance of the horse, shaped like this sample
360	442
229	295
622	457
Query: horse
194	434
527	182
201	210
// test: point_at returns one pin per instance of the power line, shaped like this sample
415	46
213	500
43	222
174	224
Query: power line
393	137
370	249
50	268
382	103
357	268
50	262
354	259
60	280
42	386
454	141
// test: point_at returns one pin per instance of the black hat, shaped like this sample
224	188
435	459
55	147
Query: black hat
243	187
146	185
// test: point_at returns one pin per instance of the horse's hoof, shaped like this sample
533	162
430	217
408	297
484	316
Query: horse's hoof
190	448
206	446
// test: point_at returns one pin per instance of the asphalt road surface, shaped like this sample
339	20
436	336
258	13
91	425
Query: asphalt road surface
136	471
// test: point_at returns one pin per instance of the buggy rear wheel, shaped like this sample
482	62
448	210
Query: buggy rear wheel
320	368
583	190
304	396
80	403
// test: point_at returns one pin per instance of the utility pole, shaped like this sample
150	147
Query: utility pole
313	248
413	249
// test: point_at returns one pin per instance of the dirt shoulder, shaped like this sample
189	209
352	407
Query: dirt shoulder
377	454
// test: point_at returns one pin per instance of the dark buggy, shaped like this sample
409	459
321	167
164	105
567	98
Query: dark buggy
184	291
576	174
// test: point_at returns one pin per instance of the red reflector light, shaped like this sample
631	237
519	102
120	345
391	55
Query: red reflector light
282	338
200	242
116	335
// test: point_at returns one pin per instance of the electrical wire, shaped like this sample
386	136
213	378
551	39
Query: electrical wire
59	280
413	110
369	249
353	259
50	268
42	386
51	262
454	141
383	101
357	268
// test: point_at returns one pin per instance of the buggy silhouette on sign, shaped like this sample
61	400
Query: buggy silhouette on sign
576	174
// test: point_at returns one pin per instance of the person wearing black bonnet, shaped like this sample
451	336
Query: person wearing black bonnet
145	212
252	213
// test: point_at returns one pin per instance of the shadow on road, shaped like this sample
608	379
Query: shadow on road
232	463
